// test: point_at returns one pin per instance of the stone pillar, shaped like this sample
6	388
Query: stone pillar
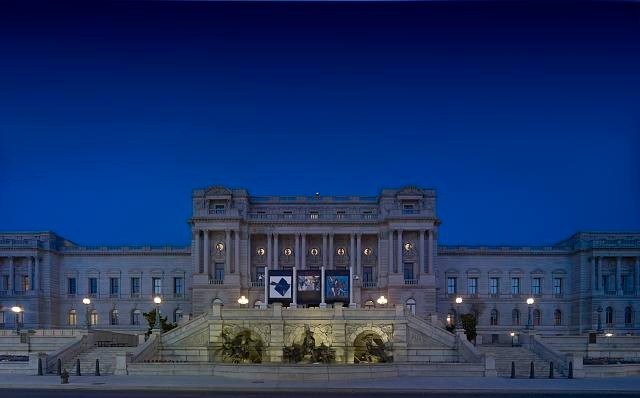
296	252
324	250
352	252
619	276
352	304
249	271
322	303
207	252
596	276
637	276
269	252
392	267
359	254
36	278
399	261
266	287
303	252
276	251
431	252
277	334
422	265
331	253
236	251
197	252
12	278
227	252
378	272
294	286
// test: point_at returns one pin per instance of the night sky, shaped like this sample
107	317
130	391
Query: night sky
524	117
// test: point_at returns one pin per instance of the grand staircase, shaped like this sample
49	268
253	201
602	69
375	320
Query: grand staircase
106	355
522	357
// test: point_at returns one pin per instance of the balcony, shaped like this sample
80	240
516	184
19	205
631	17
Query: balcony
369	284
314	216
216	281
256	284
410	281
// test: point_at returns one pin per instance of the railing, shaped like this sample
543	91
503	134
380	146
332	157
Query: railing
548	353
467	350
256	284
262	199
313	216
216	281
21	243
146	350
68	351
369	284
410	281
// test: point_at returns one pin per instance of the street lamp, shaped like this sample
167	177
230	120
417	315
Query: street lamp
382	300
513	335
243	300
458	313
17	310
86	301
599	330
608	336
157	300
530	302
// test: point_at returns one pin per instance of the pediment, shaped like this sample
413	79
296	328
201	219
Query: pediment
218	190
538	271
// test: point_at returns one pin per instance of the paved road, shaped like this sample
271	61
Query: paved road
33	393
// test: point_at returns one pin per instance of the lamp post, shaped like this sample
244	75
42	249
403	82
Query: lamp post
382	300
530	302
17	310
86	301
158	301
608	336
458	313
513	335
243	301
599	330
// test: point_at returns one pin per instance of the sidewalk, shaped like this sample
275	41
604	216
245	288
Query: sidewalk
442	384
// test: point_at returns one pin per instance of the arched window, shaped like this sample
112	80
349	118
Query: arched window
369	305
177	315
628	316
135	317
494	317
411	305
113	317
93	318
72	318
536	317
557	317
515	317
608	316
257	304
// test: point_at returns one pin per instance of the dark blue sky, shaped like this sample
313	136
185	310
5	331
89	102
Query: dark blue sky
524	117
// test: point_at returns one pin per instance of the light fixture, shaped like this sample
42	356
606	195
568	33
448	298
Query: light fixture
530	301
261	251
288	251
367	251
608	334
341	251
382	300
157	299
243	300
220	246
458	300
408	246
16	309
315	251
86	301
512	334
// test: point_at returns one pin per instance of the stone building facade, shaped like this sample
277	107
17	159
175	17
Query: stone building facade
389	242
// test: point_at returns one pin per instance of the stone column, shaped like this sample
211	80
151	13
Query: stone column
330	253
276	251
359	254
400	265
322	303
596	278
352	252
269	252
324	249
266	284
236	252
430	253
296	252
351	303
303	252
207	252
422	265
197	249
249	271
227	251
294	286
12	278
36	279
637	276
378	272
619	276
392	267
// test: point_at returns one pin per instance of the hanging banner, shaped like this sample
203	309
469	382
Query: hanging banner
336	287
309	284
280	286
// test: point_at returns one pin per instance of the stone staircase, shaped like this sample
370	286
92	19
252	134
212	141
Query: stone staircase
522	357
107	356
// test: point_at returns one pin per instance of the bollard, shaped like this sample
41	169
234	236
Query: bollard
513	370
59	366
551	370
97	367
64	377
40	373
532	372
571	369
78	367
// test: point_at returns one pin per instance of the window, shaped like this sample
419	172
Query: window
537	316
93	287
178	287
628	316
93	318
411	305
135	317
257	304
135	286
113	316
157	285
340	215
536	288
557	287
72	318
494	317
71	286
369	305
218	209
25	283
557	317
606	284
627	284
408	271
218	272
608	316
515	285
408	209
177	315
367	274
515	317
494	286
472	286
5	282
313	215
114	287
259	274
367	215
452	287
288	215
261	214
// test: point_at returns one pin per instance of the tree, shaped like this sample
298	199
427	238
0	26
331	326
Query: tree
469	325
151	319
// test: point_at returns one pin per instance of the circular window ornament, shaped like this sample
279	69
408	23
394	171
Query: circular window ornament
408	246
220	246
341	251
288	251
261	251
367	251
314	251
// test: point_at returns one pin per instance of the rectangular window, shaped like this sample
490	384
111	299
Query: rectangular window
178	287
407	209
606	284
262	214
114	287
288	215
557	287
157	285
367	274
408	271
536	286
313	215
494	286
25	283
93	286
472	287
515	285
627	284
71	286
452	287
259	274
5	282
219	209
219	272
367	215
135	286
340	215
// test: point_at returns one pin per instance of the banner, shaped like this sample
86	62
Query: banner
309	284
280	286
336	287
